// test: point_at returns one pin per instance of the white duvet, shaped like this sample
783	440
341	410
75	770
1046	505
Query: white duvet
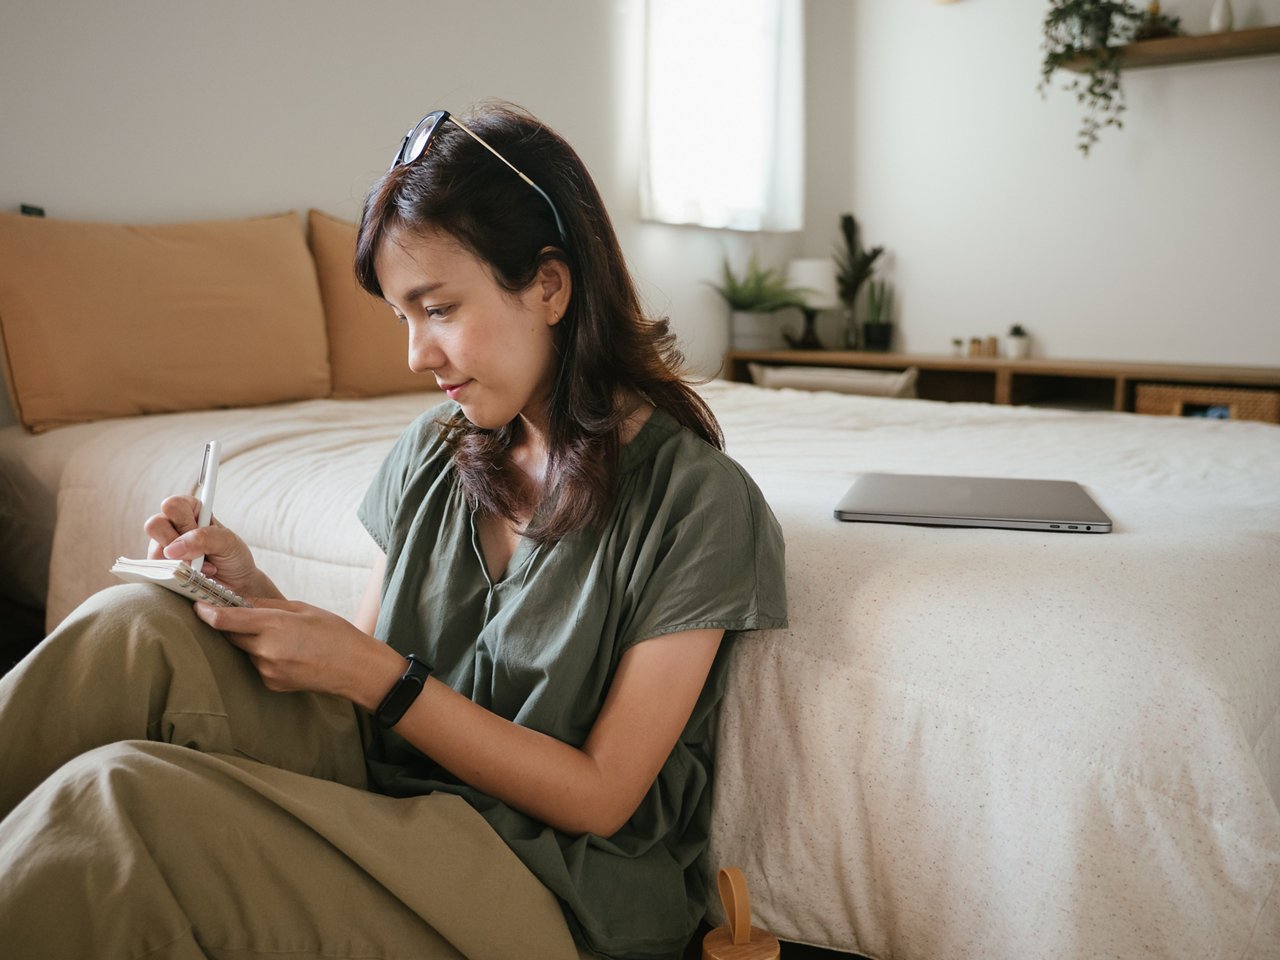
969	743
994	743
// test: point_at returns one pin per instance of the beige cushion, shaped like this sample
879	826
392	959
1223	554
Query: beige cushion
368	349
877	383
101	320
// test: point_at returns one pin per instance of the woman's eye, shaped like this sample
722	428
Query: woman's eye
439	313
401	318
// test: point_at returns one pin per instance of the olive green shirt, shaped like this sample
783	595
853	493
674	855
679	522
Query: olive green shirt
689	544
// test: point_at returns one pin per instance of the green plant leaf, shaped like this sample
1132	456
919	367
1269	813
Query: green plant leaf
1087	33
758	290
853	263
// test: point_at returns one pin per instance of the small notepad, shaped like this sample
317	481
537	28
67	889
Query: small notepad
177	575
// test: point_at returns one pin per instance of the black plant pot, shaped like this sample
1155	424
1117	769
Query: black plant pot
877	336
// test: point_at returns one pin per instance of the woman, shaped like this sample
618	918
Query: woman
534	666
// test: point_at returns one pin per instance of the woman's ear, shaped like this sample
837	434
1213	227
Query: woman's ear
555	288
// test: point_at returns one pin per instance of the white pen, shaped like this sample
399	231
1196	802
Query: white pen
208	483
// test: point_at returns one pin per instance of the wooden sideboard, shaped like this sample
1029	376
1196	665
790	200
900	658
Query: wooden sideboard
1069	383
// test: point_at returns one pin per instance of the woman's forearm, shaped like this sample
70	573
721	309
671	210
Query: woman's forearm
537	774
594	788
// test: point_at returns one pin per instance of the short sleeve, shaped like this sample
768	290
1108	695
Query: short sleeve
712	556
377	511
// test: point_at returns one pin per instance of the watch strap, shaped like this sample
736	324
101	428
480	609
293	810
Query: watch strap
402	693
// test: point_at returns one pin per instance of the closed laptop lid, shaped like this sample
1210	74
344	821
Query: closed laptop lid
1016	503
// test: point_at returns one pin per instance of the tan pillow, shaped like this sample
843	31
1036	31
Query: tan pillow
101	320
876	383
367	348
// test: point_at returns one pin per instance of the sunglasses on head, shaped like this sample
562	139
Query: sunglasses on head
419	137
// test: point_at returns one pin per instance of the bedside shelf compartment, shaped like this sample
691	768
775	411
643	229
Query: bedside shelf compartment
1199	400
1073	384
956	386
1074	393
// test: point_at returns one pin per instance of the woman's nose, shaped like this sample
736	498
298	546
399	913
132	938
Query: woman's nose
424	353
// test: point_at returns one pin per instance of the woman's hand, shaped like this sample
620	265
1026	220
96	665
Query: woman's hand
176	535
296	646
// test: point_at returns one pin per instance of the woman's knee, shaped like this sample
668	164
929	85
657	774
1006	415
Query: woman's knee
124	780
132	605
117	770
135	621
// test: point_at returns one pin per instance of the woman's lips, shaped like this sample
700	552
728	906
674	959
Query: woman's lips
452	390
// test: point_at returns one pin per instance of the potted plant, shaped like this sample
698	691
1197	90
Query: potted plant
853	266
1016	342
877	329
751	297
1087	34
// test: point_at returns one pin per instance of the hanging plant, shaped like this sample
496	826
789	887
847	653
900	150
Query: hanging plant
1086	35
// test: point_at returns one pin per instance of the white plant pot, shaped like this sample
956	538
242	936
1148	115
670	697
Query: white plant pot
755	331
1016	348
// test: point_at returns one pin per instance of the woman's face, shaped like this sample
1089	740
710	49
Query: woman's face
490	350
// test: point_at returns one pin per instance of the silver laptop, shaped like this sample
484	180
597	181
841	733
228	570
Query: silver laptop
1058	505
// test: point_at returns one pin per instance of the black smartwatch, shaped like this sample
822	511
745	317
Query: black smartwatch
402	694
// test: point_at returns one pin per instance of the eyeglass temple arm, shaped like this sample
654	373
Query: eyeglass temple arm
480	140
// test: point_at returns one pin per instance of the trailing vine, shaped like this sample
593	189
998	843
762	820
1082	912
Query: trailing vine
1087	34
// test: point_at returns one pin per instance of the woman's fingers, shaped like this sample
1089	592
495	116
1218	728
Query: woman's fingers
177	515
183	512
202	541
161	532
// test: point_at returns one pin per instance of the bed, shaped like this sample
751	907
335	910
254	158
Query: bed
1008	744
969	743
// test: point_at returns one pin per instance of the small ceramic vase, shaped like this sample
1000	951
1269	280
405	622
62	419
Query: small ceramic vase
1220	17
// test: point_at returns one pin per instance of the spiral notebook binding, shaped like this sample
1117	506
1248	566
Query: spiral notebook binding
207	589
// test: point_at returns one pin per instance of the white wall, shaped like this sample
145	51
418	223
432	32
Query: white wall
158	109
1164	244
162	110
922	118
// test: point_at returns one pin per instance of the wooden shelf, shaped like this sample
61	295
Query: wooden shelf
1089	384
1254	42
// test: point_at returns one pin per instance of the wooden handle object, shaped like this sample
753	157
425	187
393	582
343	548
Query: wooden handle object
738	940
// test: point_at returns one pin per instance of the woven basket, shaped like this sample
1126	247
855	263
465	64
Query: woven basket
1180	400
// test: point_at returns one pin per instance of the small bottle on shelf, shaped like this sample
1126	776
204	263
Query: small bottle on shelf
1221	17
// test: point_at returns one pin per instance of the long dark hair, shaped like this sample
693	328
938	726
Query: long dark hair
607	348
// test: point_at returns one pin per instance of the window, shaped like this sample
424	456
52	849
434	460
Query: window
724	114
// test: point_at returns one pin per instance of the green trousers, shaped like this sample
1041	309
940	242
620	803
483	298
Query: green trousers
156	800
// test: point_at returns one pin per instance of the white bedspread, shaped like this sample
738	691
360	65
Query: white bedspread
970	743
1005	744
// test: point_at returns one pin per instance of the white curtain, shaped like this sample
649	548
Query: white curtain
724	114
